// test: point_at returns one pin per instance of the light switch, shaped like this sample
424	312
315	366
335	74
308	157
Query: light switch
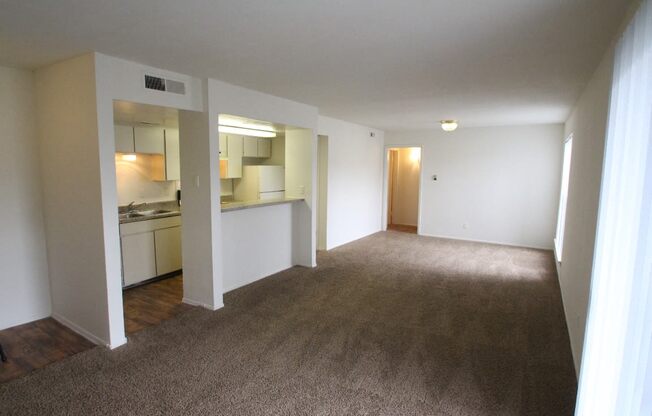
196	181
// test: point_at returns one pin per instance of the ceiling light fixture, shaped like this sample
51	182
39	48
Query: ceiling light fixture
449	125
246	131
237	125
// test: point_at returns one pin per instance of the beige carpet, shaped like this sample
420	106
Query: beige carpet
393	324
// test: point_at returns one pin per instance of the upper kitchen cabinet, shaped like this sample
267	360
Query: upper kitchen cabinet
139	139
224	150
257	147
172	155
124	139
231	152
264	147
149	140
250	146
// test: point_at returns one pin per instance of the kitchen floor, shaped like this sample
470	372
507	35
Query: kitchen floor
37	344
150	304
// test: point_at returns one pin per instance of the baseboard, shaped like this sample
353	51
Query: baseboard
84	333
485	241
192	302
380	229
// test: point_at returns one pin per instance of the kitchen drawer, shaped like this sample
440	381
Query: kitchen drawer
149	225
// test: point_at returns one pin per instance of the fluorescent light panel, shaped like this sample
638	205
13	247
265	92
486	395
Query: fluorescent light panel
246	131
228	124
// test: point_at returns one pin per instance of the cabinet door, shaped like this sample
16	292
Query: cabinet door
168	250
264	147
149	140
234	166
250	146
172	156
224	152
138	257
124	139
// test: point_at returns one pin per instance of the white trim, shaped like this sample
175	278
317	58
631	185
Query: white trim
498	243
203	305
555	248
84	333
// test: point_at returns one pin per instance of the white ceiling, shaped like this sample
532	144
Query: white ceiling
390	64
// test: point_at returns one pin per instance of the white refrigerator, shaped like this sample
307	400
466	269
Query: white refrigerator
260	182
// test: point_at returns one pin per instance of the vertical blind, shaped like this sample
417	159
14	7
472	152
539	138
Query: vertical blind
615	374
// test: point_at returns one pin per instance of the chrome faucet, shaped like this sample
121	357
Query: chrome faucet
132	207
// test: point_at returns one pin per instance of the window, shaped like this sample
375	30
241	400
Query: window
563	197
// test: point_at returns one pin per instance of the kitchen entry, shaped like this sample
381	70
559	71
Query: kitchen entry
403	188
148	167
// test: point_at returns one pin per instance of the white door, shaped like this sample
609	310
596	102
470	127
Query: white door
138	257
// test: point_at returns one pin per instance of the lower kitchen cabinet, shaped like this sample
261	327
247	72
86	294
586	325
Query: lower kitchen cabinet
168	250
150	248
138	258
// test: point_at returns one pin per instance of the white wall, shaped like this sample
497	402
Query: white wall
118	79
72	192
587	123
259	244
501	183
25	289
355	172
406	186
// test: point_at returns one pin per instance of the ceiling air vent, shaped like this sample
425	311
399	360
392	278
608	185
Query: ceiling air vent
162	84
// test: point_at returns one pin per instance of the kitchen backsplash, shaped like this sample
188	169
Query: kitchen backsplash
134	183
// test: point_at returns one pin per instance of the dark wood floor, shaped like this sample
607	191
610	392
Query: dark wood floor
403	228
153	303
39	343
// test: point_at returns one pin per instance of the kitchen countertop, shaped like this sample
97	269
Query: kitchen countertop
149	217
238	205
172	208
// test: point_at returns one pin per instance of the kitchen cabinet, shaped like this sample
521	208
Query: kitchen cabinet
264	147
250	146
149	140
231	165
168	250
150	248
138	258
257	147
124	139
172	155
224	150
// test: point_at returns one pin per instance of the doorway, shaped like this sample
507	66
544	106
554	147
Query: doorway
148	175
403	188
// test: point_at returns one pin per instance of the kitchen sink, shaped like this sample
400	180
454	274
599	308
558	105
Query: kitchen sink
131	215
154	212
